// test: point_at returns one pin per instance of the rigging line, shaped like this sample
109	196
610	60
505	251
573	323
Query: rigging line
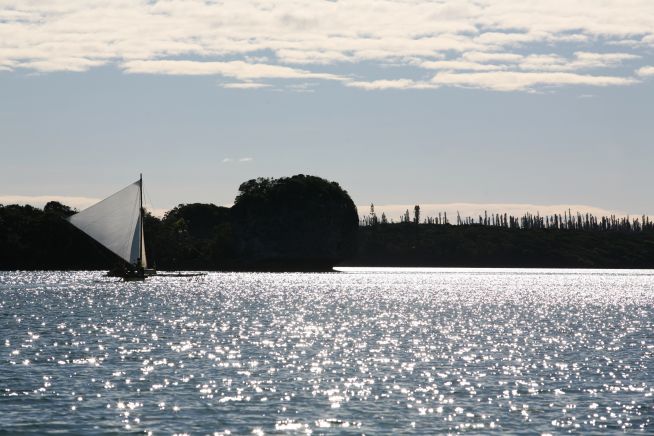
147	200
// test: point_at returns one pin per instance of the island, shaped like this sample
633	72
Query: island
307	223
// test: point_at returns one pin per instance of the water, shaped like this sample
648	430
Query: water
546	351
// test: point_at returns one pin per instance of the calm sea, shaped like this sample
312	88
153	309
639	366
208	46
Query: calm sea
375	351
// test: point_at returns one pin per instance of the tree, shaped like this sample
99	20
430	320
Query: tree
416	214
56	208
299	222
373	215
191	236
199	219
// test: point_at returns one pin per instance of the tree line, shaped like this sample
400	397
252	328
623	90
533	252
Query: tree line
528	221
305	223
290	223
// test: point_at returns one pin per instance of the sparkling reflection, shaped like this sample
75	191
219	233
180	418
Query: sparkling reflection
368	352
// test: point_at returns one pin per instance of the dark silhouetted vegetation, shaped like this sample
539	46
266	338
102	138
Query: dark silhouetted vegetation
295	223
308	223
301	222
191	237
32	238
500	240
405	244
528	221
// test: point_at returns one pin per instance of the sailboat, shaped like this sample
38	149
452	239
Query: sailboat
117	223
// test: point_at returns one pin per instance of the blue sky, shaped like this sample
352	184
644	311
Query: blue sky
493	104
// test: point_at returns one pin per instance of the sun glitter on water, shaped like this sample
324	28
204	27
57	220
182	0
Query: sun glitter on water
372	351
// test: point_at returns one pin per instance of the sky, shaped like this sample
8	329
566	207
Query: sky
505	105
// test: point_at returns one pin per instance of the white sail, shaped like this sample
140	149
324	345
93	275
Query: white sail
115	222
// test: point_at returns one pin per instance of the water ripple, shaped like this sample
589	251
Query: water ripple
379	351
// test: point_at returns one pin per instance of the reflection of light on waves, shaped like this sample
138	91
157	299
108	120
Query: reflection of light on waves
356	269
443	350
491	271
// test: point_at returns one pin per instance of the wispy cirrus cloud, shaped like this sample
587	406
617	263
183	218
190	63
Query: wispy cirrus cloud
478	61
391	84
236	69
580	61
300	40
520	81
237	160
245	85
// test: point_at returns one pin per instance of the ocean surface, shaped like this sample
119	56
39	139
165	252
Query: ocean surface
377	351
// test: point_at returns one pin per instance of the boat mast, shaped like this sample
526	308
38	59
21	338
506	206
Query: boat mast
141	219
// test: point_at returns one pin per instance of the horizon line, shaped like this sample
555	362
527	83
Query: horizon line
391	210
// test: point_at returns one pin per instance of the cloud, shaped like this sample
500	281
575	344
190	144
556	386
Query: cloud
520	81
305	87
509	39
62	64
237	69
390	84
476	56
300	40
505	61
238	160
394	211
645	71
461	65
515	72
245	85
581	61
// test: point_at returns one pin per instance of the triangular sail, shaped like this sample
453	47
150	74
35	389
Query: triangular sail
115	222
